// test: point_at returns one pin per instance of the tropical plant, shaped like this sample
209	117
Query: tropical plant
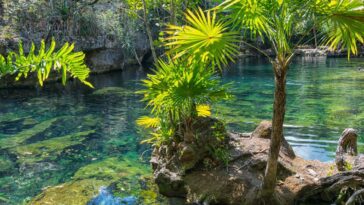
42	63
177	94
204	38
340	24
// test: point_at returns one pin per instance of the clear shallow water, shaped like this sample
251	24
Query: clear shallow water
325	96
76	140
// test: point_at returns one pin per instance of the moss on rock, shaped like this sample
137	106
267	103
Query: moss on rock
75	193
113	169
125	176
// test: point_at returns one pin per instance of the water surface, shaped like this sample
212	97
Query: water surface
78	139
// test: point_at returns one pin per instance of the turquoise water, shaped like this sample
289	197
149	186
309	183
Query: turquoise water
63	144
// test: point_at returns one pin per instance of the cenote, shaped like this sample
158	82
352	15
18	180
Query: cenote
75	139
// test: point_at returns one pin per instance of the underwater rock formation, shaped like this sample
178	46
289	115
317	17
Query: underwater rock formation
238	182
48	149
26	134
76	192
111	181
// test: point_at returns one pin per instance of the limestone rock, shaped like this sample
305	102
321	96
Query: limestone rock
264	130
347	146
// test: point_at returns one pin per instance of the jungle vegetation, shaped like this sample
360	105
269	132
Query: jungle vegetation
45	61
200	38
208	42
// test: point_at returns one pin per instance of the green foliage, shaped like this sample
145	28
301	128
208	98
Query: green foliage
204	38
344	23
248	14
64	61
178	93
331	170
221	154
340	22
348	166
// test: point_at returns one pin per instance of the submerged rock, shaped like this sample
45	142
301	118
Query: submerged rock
19	138
77	192
113	169
125	177
115	91
48	149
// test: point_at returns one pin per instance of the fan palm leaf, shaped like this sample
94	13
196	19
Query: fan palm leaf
343	22
204	38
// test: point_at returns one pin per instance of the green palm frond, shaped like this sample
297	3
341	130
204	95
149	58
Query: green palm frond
204	38
178	91
343	22
176	88
64	61
251	15
149	122
203	110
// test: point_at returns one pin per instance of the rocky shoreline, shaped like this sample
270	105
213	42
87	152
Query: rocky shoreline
238	182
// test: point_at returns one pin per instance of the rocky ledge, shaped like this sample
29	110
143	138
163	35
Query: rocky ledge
188	173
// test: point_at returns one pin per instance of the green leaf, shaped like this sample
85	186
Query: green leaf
44	61
204	38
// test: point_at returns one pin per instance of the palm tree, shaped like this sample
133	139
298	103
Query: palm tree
177	94
340	24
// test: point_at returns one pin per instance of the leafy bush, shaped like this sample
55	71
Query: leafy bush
64	61
184	87
179	93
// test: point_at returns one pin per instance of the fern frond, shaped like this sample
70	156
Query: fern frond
65	61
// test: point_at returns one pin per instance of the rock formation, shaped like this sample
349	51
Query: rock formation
208	181
347	146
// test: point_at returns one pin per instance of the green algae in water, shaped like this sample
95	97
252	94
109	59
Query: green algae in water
74	192
48	149
121	172
112	169
13	141
113	91
6	165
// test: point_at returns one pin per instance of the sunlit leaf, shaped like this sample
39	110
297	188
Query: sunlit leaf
203	110
148	122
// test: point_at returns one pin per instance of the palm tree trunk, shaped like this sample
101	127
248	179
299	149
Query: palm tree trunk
315	36
149	31
173	12
269	182
1	12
